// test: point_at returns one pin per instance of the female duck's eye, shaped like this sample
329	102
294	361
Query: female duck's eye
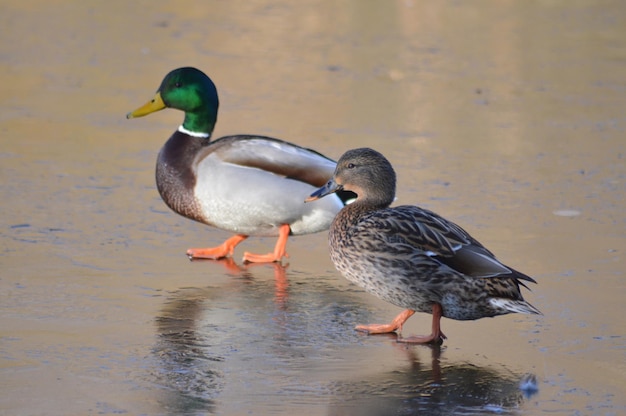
350	165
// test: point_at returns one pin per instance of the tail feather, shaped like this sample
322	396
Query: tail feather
514	306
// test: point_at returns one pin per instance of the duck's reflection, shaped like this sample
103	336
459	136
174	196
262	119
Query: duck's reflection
187	362
431	389
200	329
244	272
272	344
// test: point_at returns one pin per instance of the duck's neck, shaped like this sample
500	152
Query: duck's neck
362	205
352	213
182	129
199	123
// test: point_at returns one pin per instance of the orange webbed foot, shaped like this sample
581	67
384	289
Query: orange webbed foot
263	258
279	250
435	337
394	326
377	328
224	250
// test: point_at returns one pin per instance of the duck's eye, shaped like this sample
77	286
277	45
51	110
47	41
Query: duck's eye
350	166
178	85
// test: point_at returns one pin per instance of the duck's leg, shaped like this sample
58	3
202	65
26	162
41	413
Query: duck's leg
221	251
436	336
394	326
279	249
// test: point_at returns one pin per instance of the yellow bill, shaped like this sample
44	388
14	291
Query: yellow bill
151	106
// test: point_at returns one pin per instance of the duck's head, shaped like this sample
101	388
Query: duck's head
364	172
190	90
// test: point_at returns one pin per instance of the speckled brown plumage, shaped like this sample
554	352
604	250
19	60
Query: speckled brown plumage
412	257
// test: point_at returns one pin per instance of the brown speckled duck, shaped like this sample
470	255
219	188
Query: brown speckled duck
412	257
246	184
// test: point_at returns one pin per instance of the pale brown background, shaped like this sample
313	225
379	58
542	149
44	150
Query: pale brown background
507	117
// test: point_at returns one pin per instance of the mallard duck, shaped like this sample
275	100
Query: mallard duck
246	184
412	257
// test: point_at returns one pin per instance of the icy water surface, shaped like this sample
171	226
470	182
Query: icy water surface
506	117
